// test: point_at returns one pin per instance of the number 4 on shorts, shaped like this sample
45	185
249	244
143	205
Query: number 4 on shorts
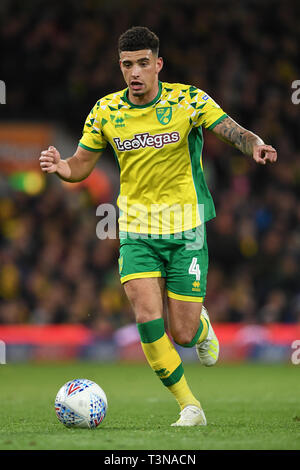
195	269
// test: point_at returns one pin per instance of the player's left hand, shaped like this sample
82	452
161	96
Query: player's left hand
264	153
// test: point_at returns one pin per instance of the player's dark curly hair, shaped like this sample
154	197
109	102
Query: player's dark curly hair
138	38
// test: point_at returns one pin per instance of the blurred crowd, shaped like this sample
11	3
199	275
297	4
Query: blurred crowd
54	269
59	58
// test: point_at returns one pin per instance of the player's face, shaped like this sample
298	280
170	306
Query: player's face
140	71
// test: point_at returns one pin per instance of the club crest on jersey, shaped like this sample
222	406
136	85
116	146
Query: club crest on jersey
164	115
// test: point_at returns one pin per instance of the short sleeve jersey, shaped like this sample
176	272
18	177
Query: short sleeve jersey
158	147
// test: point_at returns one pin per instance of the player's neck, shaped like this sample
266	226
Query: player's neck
146	98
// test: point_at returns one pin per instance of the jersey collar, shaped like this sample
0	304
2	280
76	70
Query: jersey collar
125	98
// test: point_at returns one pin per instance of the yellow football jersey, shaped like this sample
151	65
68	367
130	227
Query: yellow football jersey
158	147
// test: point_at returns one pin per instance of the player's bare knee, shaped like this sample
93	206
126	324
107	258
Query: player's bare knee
144	316
146	299
182	337
145	309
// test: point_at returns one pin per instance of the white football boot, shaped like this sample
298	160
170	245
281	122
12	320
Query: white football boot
191	416
208	349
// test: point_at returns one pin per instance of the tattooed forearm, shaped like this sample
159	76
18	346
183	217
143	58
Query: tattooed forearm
232	133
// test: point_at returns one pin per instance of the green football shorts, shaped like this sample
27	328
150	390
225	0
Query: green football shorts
182	259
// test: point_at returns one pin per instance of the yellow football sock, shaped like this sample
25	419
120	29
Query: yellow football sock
165	361
183	394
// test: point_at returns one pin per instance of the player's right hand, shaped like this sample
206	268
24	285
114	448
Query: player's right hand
49	160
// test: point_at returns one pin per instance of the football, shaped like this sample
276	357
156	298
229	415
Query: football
81	403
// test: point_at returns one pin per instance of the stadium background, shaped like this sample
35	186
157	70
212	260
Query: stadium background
59	285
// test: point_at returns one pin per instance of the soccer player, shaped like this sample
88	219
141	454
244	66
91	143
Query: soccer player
155	132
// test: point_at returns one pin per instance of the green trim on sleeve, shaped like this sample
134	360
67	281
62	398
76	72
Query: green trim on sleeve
217	122
89	148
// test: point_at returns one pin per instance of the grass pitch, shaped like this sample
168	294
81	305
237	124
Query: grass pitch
247	406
